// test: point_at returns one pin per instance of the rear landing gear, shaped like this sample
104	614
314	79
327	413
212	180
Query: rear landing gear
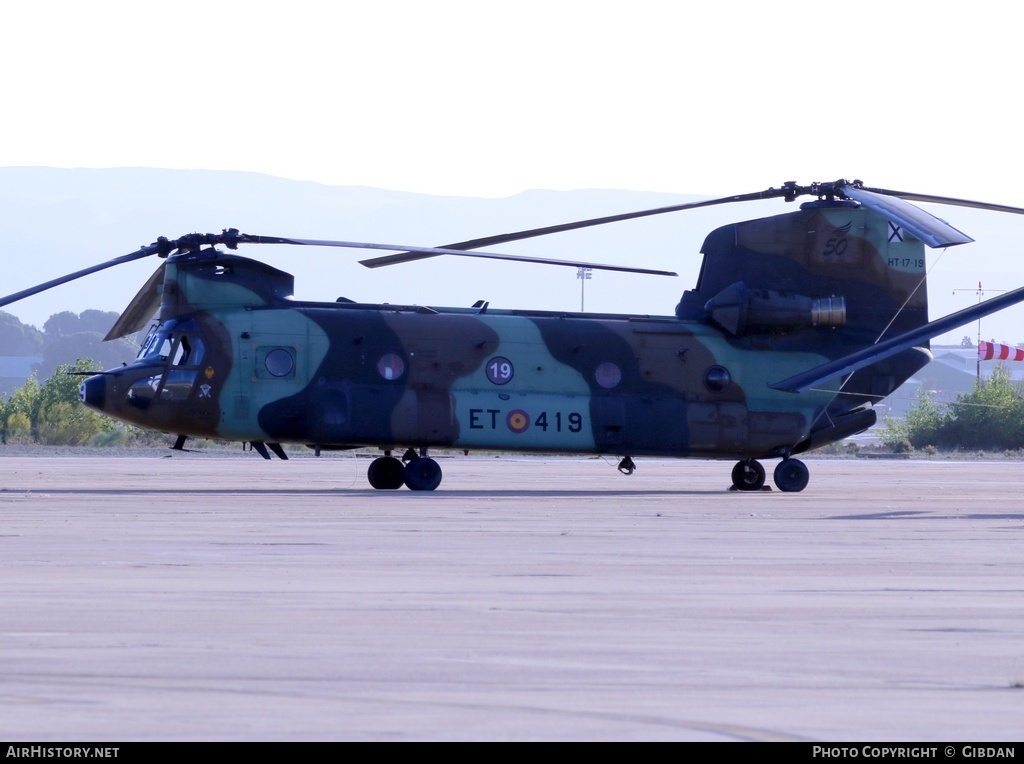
748	475
421	473
791	475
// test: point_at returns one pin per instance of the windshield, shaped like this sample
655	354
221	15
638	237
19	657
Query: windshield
164	343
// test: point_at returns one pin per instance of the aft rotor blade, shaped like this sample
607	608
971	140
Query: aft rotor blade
948	200
931	230
802	382
487	241
433	251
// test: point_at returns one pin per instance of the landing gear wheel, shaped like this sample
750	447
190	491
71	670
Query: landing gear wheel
791	475
422	474
748	475
386	473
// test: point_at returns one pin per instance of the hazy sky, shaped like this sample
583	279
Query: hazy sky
453	97
488	99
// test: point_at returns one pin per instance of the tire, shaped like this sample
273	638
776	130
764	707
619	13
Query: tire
422	474
792	475
386	473
748	475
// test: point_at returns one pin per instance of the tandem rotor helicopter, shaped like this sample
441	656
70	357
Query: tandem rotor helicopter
798	324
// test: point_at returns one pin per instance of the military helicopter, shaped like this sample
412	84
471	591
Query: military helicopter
799	323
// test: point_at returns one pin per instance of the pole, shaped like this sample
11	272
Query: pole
981	293
583	274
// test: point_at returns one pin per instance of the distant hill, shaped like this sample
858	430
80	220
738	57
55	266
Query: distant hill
56	221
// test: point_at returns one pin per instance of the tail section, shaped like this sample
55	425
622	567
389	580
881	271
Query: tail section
833	278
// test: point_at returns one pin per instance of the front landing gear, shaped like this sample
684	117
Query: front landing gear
386	473
420	473
748	475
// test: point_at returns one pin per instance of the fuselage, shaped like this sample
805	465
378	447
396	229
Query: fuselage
235	357
338	375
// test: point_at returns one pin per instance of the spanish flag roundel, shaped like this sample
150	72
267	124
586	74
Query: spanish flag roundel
518	421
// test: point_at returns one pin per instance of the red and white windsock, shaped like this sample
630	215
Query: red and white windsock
988	351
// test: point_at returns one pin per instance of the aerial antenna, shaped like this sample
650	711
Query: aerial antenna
583	274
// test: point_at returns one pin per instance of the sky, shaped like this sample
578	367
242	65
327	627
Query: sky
451	97
483	99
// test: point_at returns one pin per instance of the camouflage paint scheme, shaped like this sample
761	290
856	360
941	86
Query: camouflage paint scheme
234	357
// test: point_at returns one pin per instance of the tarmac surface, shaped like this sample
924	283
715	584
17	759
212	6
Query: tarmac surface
213	598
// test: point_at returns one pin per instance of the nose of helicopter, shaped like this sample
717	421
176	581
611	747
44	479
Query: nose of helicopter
93	392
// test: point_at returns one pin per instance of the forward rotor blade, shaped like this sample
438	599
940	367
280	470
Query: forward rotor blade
434	251
411	254
802	382
137	255
931	230
232	238
141	309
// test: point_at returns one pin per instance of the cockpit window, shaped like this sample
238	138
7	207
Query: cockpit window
181	349
149	342
180	352
196	350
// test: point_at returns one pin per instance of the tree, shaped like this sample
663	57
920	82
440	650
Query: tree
18	412
69	336
67	322
61	325
924	422
52	413
66	349
62	387
991	417
18	339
